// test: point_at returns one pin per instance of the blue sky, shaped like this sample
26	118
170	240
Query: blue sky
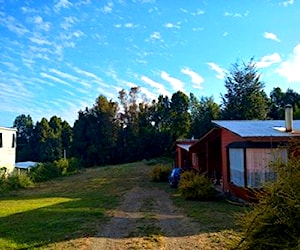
58	56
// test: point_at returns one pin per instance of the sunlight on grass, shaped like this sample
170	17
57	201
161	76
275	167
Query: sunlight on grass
13	206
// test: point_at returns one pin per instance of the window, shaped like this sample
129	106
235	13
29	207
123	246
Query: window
194	159
13	141
258	160
236	161
1	143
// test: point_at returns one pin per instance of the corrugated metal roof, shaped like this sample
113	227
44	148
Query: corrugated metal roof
258	128
185	146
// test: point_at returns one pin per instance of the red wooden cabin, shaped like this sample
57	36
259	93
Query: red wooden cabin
236	154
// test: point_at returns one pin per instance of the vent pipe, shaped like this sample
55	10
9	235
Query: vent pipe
288	118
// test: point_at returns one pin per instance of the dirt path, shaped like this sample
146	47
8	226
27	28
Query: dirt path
147	219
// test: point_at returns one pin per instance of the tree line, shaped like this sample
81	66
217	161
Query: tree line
132	128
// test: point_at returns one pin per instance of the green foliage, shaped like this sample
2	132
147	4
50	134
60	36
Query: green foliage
194	186
274	223
15	181
49	170
278	101
203	111
45	171
160	173
245	98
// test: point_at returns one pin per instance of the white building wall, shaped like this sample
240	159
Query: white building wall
8	148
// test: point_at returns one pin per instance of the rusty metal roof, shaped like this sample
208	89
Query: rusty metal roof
259	128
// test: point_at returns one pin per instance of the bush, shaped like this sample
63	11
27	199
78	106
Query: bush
15	181
194	186
45	171
274	223
160	173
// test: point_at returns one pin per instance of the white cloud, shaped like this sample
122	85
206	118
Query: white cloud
155	35
62	4
39	40
195	78
158	86
107	8
172	25
95	78
271	36
287	3
68	22
221	72
175	83
238	15
55	79
268	60
38	20
12	24
129	25
290	68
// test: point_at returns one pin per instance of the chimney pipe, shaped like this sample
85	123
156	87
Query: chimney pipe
288	118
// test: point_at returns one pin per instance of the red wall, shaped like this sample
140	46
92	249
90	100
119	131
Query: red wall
227	137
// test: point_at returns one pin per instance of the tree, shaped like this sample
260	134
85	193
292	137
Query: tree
24	125
95	133
180	118
245	98
280	99
202	113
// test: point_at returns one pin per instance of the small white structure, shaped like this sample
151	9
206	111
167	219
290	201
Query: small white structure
8	148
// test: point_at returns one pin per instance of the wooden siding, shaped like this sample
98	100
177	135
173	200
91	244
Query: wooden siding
226	138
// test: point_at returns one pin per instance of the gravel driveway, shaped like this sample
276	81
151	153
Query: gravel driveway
147	219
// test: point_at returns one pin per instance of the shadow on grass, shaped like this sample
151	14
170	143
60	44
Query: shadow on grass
54	223
85	213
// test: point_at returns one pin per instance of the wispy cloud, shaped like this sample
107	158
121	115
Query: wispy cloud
155	35
55	79
175	83
68	22
98	80
172	25
195	78
40	23
39	40
268	60
220	72
287	3
62	4
12	24
271	36
238	15
158	86
290	68
107	8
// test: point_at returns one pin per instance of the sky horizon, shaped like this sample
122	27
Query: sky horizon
58	56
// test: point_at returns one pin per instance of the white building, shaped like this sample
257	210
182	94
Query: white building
8	148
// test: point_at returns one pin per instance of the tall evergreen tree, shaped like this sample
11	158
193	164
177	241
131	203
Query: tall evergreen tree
24	125
245	98
180	117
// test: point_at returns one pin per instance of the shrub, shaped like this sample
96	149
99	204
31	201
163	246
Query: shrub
44	171
15	181
160	173
274	223
19	180
194	186
62	165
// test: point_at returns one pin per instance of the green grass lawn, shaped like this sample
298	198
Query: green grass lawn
57	212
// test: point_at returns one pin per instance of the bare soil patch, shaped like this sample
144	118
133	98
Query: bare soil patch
148	219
